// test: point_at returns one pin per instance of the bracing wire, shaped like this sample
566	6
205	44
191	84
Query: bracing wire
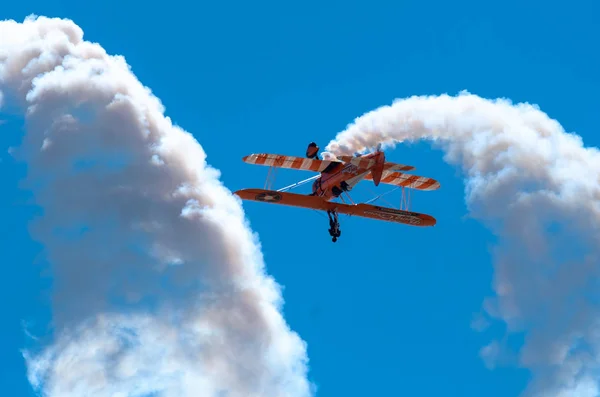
383	194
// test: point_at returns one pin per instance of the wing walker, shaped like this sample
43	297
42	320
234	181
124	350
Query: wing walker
337	177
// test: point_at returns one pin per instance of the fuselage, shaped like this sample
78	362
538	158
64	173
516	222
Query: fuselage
339	178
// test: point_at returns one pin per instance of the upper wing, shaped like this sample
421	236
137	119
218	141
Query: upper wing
406	180
296	163
366	163
317	203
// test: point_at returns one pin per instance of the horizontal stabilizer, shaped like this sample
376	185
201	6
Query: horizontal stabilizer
317	203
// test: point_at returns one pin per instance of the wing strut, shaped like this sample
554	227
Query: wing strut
270	178
405	199
312	178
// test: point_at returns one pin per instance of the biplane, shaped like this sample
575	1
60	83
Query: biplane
337	177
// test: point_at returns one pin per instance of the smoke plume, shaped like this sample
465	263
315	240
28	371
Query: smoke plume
159	283
536	187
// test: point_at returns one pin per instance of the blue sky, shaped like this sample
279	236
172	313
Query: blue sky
387	309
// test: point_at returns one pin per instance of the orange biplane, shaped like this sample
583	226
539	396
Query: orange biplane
337	177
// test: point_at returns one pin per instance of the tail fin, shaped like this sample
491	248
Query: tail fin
377	169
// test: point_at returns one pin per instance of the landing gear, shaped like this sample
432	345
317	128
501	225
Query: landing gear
334	226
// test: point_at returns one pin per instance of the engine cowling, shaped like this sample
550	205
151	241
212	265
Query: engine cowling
312	150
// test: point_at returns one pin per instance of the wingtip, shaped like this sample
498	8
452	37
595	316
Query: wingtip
429	221
434	186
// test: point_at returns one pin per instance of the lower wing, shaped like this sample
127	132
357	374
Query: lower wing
317	203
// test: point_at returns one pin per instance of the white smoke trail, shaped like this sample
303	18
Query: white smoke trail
537	187
159	285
